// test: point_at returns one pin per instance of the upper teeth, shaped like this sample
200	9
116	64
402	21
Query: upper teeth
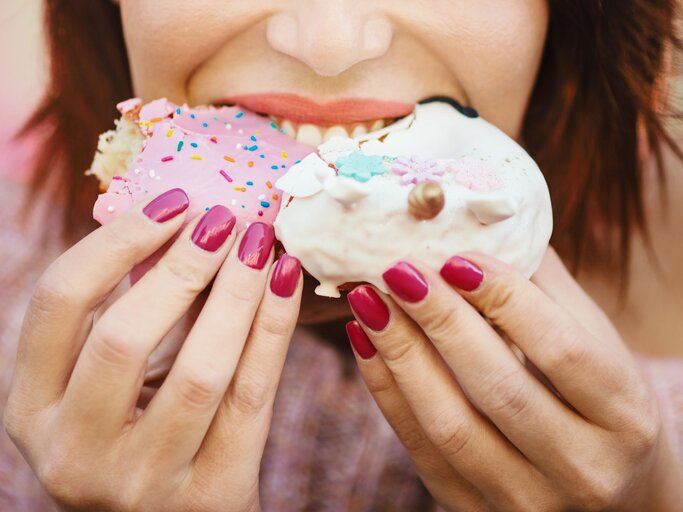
314	135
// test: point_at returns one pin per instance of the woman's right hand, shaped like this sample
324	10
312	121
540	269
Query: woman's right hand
72	409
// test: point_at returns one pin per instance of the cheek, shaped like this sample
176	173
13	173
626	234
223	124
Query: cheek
493	49
167	40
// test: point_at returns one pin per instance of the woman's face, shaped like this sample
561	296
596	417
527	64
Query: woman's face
483	53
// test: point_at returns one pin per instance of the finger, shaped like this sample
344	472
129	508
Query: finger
553	279
246	408
443	482
60	312
188	399
523	409
569	356
110	369
469	442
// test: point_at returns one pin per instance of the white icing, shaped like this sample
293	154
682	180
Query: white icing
346	231
337	147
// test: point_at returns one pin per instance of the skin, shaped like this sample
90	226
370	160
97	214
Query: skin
196	444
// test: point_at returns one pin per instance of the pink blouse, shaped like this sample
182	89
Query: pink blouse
329	447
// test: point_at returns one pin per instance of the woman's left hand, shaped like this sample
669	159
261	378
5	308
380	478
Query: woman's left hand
576	427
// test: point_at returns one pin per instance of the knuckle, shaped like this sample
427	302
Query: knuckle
505	394
52	293
499	296
401	350
565	349
188	274
57	475
112	346
597	490
647	432
199	389
249	394
274	325
411	435
452	436
441	324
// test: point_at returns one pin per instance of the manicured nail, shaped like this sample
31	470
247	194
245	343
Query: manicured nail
406	282
256	245
285	276
214	228
168	205
462	274
369	307
360	341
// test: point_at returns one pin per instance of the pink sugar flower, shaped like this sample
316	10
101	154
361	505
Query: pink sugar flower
475	174
415	170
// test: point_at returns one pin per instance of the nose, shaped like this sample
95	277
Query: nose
330	36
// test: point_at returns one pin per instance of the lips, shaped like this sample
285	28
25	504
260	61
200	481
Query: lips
302	110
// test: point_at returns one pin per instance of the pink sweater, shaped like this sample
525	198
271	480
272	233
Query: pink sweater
329	447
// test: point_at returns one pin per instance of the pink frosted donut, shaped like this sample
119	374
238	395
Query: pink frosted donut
225	155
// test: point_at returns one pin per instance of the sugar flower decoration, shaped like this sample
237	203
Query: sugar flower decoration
475	174
415	170
359	166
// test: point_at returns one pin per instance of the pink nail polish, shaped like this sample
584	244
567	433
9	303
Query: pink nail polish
462	274
214	228
256	245
167	205
405	281
285	276
360	341
369	307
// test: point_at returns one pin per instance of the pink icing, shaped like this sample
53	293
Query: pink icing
203	171
475	174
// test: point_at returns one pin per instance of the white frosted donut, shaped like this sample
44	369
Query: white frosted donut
346	215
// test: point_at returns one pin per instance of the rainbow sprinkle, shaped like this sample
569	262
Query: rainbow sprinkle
197	157
169	133
225	175
167	159
229	159
180	145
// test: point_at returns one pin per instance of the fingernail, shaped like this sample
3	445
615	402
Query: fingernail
360	341
256	245
406	282
369	307
462	274
214	228
285	276
168	205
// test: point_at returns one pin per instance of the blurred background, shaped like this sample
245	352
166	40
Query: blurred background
23	68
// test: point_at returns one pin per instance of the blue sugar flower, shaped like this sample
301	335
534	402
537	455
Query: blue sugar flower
359	166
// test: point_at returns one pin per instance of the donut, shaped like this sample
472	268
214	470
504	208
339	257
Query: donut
218	155
436	183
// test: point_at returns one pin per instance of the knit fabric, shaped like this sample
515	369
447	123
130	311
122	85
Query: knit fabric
329	447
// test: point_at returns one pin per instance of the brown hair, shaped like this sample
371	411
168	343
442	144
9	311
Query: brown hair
595	100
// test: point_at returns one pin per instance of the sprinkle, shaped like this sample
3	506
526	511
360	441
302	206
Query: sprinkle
265	204
205	125
261	197
262	156
273	125
110	209
269	184
240	189
215	118
169	133
137	171
238	115
233	202
297	162
276	197
177	111
260	213
229	159
283	166
250	163
258	132
156	120
192	116
238	145
282	130
197	157
242	206
225	175
250	183
214	140
207	209
180	145
193	144
284	154
167	159
253	148
118	177
253	138
228	126
151	173
274	167
146	123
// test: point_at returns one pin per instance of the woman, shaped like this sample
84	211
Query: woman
579	427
